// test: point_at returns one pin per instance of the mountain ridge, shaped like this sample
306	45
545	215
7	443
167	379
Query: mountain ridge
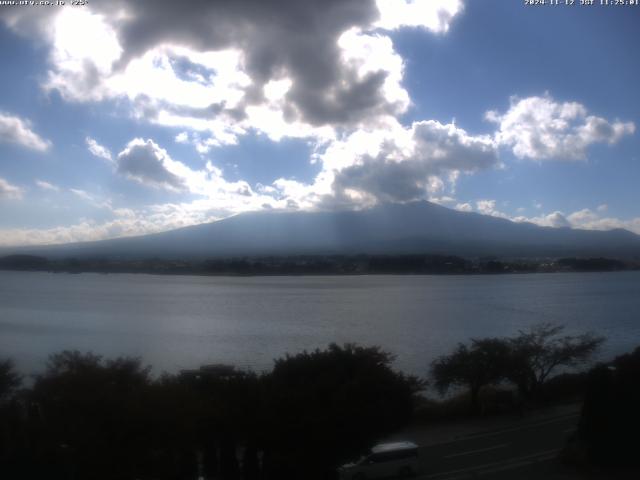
418	227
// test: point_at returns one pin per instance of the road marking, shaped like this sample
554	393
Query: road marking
522	463
501	468
471	452
502	465
508	430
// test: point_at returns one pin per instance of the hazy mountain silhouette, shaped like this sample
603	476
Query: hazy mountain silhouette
420	227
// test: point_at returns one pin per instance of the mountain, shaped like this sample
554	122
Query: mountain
419	227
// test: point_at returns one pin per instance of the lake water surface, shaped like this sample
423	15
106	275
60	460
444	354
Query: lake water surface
176	322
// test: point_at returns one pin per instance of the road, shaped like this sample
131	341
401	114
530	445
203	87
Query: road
523	451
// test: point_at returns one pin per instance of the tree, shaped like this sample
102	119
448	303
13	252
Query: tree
9	379
482	363
94	414
541	350
326	407
228	403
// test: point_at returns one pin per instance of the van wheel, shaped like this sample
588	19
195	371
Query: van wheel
405	472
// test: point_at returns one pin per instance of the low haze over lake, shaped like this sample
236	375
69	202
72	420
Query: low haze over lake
177	322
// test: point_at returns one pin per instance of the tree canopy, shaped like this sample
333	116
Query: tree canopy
329	406
527	360
482	363
540	351
90	417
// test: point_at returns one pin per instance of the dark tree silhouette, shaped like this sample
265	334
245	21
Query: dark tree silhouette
93	416
228	411
89	417
527	360
10	380
482	363
11	445
327	406
538	352
610	418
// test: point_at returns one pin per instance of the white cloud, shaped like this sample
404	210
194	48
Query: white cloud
464	207
14	129
9	191
488	207
583	219
83	49
123	222
98	150
82	194
139	221
588	221
595	220
94	200
434	15
182	137
145	162
47	186
82	231
539	128
555	219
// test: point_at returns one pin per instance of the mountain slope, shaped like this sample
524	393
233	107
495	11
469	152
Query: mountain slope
419	227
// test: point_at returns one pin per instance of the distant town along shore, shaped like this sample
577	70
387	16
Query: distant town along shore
317	265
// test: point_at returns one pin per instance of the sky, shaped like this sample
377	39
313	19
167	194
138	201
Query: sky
124	118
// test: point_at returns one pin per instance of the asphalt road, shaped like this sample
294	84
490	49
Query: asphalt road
523	451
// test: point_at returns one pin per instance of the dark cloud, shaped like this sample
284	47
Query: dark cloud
283	38
385	180
394	176
446	147
144	161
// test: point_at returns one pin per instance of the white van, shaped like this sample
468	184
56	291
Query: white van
386	460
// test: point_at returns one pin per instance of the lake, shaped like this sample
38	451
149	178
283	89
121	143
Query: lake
176	322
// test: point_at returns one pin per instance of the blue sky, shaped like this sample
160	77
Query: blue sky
124	118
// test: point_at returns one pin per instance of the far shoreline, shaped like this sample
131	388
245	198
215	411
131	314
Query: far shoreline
318	265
